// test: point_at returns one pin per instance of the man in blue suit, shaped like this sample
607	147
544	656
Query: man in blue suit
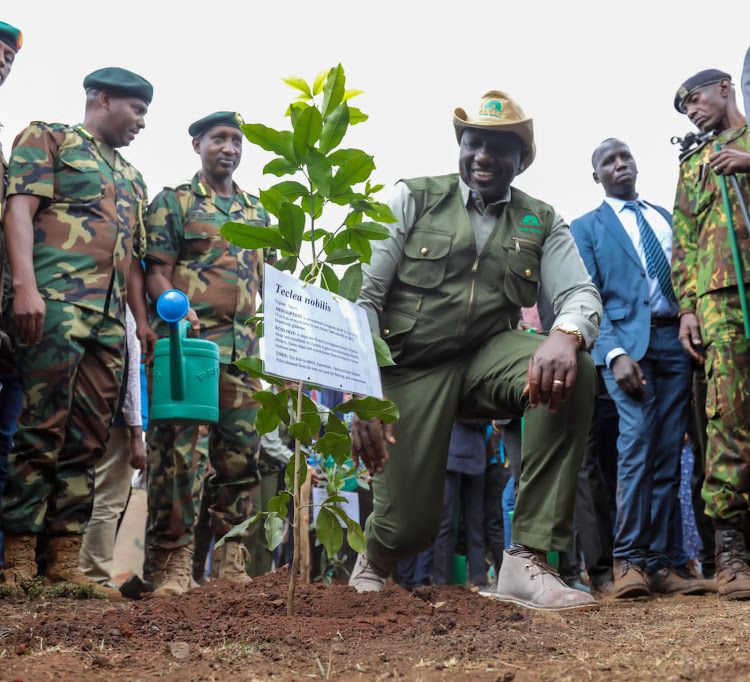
626	245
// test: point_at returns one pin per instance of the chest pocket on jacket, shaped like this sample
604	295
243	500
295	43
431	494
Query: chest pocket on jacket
77	179
202	242
523	272
425	258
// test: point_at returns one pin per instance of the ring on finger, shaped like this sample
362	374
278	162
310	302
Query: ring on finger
557	385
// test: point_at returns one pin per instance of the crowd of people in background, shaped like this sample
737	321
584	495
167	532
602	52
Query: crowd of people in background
549	378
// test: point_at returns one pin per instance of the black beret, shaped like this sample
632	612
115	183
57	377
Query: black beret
120	82
11	36
218	118
700	79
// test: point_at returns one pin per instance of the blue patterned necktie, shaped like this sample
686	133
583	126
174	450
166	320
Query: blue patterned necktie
657	264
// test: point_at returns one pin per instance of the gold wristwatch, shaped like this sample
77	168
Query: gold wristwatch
569	328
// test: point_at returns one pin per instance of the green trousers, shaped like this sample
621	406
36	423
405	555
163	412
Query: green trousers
408	495
71	384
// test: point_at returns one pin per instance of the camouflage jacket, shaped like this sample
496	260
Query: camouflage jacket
701	253
91	206
220	279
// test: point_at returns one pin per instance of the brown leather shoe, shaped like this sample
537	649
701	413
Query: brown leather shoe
732	570
630	580
684	571
666	581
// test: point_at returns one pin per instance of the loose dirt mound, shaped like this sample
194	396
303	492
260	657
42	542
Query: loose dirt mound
225	632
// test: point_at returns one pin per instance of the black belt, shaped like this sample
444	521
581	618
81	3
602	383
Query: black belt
665	321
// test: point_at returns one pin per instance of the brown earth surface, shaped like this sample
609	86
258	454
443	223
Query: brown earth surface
225	632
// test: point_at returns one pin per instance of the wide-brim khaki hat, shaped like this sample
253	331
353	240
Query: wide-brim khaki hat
497	111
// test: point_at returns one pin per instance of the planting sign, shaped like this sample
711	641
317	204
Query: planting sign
312	335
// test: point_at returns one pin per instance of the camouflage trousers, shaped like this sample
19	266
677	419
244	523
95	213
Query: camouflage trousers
176	470
726	489
71	384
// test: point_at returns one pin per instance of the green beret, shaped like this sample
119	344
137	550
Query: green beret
11	36
219	118
120	82
699	80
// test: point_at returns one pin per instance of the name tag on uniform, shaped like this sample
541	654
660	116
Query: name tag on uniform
198	217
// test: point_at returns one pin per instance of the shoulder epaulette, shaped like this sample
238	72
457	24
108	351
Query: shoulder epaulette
51	126
691	152
202	189
248	199
183	186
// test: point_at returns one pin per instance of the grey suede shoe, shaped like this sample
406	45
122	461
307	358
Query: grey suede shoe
364	577
527	580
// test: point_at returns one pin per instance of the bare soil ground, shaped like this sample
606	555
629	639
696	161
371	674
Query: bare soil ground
222	632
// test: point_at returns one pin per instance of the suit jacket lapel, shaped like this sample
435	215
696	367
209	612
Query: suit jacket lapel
614	228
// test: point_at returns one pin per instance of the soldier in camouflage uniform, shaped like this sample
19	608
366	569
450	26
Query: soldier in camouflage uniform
11	40
72	229
706	284
186	251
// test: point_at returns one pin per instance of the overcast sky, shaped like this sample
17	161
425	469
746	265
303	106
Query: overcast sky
584	71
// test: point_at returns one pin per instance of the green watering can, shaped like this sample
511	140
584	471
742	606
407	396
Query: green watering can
186	371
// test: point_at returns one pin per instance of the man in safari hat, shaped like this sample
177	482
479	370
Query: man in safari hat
445	292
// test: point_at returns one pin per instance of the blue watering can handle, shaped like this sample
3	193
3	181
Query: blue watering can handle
172	306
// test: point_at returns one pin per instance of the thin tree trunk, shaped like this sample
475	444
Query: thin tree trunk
297	514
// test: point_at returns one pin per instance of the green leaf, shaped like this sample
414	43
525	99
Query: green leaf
329	531
254	236
335	425
275	403
342	256
281	167
328	280
320	171
254	367
295	110
370	408
382	351
356	116
361	244
239	529
356	538
272	200
335	444
381	212
351	283
333	90
314	207
310	415
292	225
274	530
286	263
334	128
307	131
334	499
357	169
266	421
290	189
319	81
348	94
320	233
279	503
372	230
374	189
301	432
276	141
340	156
289	473
299	84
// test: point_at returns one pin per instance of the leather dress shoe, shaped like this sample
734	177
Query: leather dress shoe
666	581
630	580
